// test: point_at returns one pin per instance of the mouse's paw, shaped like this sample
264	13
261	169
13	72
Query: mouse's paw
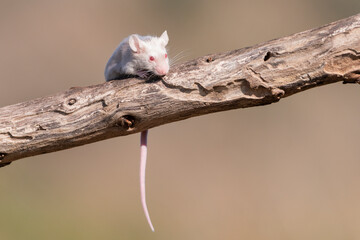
143	74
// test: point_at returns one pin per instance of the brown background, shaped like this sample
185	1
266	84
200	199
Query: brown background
290	170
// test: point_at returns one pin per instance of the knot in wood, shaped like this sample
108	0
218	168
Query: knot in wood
126	122
268	56
72	101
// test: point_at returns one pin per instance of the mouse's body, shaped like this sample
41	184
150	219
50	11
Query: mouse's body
142	56
139	55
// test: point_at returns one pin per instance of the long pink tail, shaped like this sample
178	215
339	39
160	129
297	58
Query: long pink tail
143	157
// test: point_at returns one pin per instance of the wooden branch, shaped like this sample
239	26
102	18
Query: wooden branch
247	77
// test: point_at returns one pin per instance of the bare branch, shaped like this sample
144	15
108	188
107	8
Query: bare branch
247	77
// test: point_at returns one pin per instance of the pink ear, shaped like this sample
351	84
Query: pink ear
135	43
165	38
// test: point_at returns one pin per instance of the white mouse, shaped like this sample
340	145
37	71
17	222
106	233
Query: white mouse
142	56
139	55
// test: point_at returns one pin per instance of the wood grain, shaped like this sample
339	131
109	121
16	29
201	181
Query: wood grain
248	77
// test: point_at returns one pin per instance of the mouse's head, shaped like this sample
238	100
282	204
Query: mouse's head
150	53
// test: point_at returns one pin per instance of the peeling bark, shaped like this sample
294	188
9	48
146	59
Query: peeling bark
248	77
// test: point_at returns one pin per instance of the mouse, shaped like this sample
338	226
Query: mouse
144	57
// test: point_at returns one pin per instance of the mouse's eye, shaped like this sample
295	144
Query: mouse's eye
151	58
165	55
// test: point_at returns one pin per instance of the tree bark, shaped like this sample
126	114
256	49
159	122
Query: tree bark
248	77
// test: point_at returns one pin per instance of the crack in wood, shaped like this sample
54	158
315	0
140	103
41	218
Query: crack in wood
178	87
202	90
20	137
257	75
40	128
66	111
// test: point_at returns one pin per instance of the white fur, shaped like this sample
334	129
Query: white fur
132	55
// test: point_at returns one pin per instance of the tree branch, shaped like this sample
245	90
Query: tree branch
247	77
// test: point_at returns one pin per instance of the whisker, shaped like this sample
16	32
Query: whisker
181	54
178	57
175	60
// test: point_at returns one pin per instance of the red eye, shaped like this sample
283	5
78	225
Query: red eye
165	55
151	58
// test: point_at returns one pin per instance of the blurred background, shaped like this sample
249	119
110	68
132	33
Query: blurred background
290	170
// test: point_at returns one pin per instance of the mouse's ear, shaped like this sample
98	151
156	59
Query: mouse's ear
135	43
165	38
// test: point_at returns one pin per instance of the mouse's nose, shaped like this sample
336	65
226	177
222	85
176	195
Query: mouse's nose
162	71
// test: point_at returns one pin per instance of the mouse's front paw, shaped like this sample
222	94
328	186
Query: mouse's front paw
143	74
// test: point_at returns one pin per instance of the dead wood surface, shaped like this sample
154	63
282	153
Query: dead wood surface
247	77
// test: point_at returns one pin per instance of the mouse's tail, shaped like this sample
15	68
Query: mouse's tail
143	157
